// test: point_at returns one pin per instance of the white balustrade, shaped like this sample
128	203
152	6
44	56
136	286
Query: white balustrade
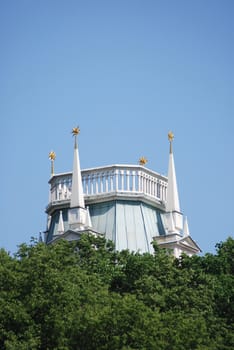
114	179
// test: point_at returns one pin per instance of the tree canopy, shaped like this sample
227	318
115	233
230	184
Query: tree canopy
86	296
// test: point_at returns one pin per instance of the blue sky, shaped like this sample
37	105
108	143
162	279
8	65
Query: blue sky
126	72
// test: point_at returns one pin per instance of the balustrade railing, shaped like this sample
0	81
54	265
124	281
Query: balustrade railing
116	179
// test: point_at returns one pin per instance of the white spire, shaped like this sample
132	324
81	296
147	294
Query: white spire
186	227
77	196
60	223
171	226
172	203
88	218
77	212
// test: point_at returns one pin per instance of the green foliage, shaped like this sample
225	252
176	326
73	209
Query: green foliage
86	296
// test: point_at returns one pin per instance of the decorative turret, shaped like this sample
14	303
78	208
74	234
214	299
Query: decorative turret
77	212
172	202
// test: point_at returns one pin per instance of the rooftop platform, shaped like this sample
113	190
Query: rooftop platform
125	182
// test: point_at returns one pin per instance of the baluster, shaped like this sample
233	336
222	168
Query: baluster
69	187
154	188
101	183
151	186
133	181
116	180
127	181
96	183
87	184
91	183
59	191
143	183
111	182
107	178
140	182
65	188
122	179
158	190
147	184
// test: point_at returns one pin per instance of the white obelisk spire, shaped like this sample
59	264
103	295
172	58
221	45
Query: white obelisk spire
186	227
77	196
60	229
77	212
172	202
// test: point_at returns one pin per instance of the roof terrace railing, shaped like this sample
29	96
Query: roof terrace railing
128	179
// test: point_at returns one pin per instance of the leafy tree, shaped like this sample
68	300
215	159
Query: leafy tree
84	296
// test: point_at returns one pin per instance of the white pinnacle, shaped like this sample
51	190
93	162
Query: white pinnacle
88	218
172	203
186	228
171	226
77	196
60	223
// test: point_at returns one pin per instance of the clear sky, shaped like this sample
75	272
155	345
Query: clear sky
126	72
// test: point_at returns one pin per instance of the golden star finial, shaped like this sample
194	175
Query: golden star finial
170	136
52	155
143	161
76	131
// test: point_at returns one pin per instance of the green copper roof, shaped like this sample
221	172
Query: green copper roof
129	224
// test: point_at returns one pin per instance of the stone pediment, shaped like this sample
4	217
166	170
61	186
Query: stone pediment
69	235
189	242
73	235
179	244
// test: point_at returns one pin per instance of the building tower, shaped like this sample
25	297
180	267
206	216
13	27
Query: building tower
129	204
